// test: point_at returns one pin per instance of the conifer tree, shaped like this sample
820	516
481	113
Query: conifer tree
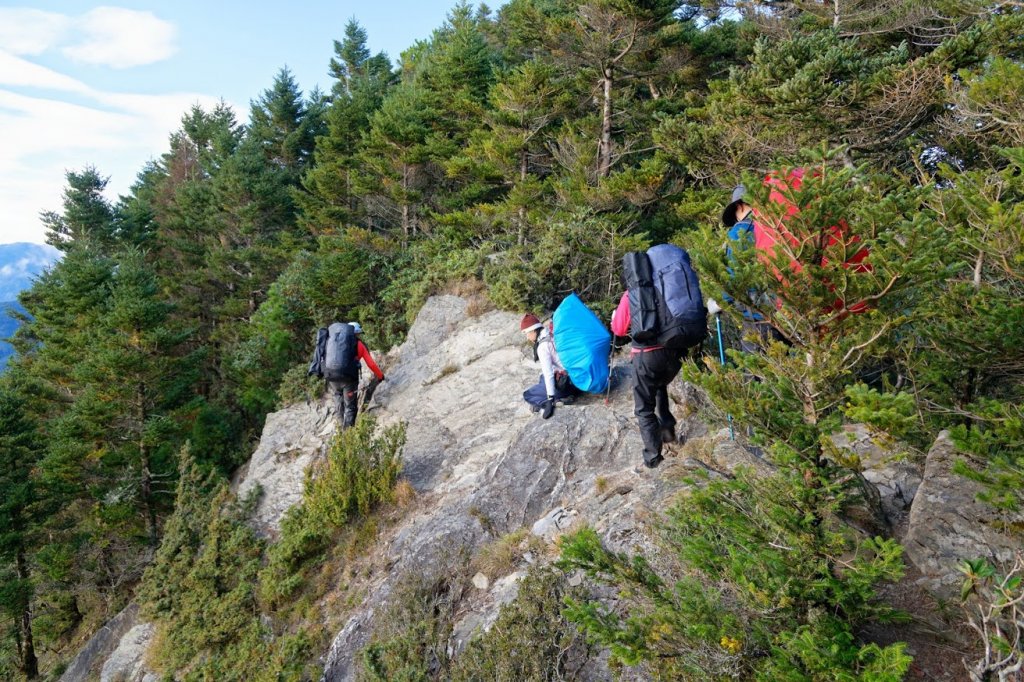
20	448
395	158
855	260
361	82
606	42
284	126
88	220
510	152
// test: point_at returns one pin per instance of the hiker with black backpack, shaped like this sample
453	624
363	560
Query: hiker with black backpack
554	384
663	312
336	359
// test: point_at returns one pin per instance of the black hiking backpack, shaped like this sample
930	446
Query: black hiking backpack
664	279
643	304
316	367
341	362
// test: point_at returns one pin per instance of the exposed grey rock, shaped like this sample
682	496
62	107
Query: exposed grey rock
485	610
127	662
885	465
485	465
730	454
554	522
948	524
118	647
292	439
481	581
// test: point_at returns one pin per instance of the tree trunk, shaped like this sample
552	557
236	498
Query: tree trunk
524	161
604	150
405	205
29	663
147	475
835	13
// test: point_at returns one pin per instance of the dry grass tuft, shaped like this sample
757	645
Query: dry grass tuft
404	494
478	304
700	449
503	556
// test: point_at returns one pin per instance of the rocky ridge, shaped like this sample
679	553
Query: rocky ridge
484	465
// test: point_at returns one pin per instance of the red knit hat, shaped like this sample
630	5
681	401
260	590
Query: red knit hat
529	323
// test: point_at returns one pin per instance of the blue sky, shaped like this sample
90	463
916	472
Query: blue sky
104	84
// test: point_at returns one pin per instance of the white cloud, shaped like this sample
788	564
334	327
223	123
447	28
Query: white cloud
42	138
18	72
51	123
30	31
121	38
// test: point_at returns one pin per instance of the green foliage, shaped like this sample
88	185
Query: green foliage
580	253
19	451
358	475
994	445
298	386
201	588
88	219
756	595
993	602
973	352
894	413
838	316
530	640
411	636
335	282
527	150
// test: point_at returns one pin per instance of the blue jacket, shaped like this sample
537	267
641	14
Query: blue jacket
743	234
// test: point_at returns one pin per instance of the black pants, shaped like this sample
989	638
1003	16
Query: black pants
653	371
538	393
345	393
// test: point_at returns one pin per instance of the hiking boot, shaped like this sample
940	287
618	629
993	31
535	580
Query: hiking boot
568	400
668	434
653	463
535	408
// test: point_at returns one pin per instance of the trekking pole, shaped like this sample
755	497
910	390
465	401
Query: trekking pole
721	357
608	388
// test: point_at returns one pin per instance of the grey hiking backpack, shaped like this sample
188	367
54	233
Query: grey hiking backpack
341	362
316	367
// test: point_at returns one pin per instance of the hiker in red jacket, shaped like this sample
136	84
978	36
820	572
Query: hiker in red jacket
772	239
336	358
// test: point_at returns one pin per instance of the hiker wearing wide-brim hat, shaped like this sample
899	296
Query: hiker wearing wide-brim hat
554	384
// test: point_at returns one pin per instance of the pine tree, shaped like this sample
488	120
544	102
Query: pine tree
88	219
284	126
856	260
510	152
395	157
609	43
361	82
20	447
971	359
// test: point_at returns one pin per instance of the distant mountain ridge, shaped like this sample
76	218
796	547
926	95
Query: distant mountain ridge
20	263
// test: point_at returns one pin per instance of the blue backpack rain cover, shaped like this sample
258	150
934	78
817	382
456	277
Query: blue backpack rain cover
582	344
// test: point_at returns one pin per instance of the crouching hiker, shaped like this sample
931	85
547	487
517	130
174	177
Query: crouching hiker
663	312
554	384
336	359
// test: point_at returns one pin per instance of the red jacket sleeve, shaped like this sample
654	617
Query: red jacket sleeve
363	354
620	318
